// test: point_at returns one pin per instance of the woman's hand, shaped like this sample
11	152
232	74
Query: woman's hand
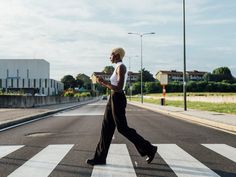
99	79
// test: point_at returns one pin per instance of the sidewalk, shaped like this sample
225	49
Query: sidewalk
11	117
224	122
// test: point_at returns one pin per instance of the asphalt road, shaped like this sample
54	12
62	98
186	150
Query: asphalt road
59	146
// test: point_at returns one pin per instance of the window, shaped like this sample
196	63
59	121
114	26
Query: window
23	83
40	83
11	83
46	85
27	73
0	83
7	73
28	83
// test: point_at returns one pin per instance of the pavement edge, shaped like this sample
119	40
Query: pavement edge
21	120
212	124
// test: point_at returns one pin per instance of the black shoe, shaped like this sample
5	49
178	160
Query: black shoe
152	155
95	162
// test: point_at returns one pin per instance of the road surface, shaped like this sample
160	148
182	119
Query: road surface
59	146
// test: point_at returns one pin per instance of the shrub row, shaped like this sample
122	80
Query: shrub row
201	86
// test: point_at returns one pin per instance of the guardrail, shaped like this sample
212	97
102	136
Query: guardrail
9	101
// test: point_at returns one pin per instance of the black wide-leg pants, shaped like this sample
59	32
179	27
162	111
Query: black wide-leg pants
114	116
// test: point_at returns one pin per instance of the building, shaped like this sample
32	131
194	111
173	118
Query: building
29	76
174	75
105	76
195	75
132	77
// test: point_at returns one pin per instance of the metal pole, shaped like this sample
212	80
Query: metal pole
6	85
129	79
184	74
141	36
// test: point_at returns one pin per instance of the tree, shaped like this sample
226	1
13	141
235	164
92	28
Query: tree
84	81
80	83
223	73
108	69
68	81
220	74
147	76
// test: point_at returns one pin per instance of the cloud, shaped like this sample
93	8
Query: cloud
76	36
215	21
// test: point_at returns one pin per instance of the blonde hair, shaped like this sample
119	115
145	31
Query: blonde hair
119	51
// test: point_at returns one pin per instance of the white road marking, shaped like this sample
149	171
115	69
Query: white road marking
223	149
43	163
182	163
82	112
5	150
118	164
98	104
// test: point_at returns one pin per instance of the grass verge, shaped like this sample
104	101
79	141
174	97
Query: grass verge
229	108
194	94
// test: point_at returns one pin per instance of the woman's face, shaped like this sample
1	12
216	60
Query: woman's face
114	57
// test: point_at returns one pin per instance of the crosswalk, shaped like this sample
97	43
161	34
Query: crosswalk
119	163
183	163
43	163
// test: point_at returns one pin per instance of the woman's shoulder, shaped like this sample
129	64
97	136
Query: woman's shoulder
122	67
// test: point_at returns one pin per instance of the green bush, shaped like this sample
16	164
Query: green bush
69	94
152	87
83	94
192	86
136	88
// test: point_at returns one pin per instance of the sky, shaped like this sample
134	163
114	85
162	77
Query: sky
77	36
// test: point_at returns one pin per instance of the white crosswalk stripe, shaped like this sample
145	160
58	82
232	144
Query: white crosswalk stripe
5	150
78	112
43	163
223	149
118	163
118	160
182	163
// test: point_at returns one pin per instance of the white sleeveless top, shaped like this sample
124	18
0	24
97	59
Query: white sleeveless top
113	77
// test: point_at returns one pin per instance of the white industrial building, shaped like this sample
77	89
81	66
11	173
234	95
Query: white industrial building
29	76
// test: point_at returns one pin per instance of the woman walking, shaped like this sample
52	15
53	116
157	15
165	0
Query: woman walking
114	116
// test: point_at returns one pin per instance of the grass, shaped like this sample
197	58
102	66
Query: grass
195	94
229	108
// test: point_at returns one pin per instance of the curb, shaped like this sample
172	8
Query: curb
213	124
21	120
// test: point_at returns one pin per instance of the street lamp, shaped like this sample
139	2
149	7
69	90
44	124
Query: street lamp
141	36
184	53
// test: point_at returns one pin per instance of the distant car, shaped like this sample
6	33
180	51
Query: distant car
38	94
104	97
28	94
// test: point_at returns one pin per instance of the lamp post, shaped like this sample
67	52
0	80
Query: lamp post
141	37
184	53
